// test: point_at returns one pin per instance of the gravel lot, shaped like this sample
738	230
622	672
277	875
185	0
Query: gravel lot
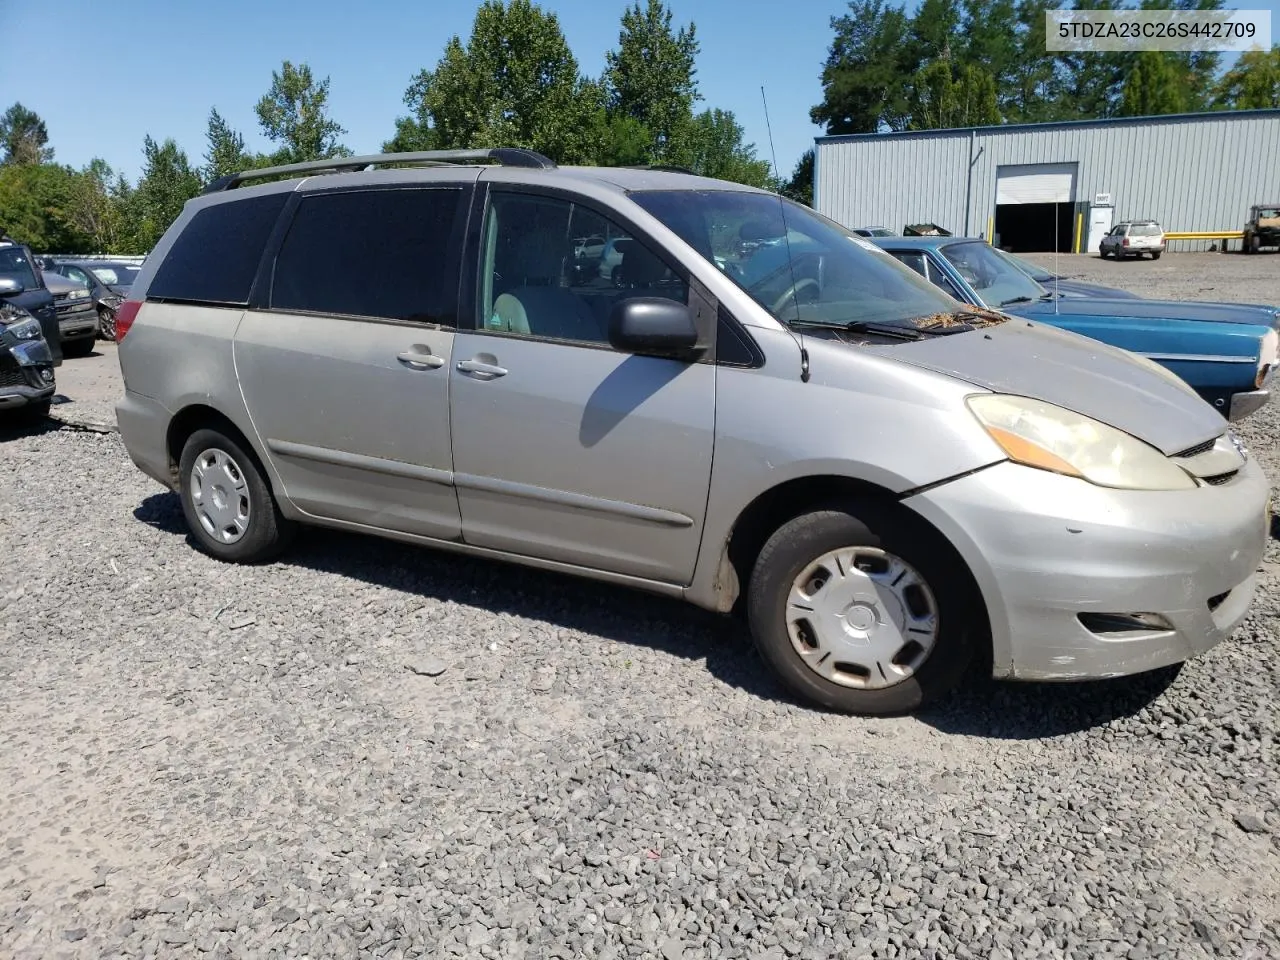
201	759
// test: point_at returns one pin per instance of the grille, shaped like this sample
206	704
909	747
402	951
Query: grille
60	296
12	378
1216	602
1220	479
1197	450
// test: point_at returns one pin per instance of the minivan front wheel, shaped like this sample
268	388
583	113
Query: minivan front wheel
858	611
227	502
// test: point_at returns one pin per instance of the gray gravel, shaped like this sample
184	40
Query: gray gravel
370	749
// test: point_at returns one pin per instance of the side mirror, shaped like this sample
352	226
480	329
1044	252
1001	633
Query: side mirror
10	287
655	327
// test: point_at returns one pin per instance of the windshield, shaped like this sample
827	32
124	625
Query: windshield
118	274
814	271
993	276
14	265
1032	270
1144	230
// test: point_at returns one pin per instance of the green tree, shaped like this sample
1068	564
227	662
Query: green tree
295	114
1154	86
623	141
23	137
800	187
34	200
514	83
168	181
1032	92
650	77
225	152
712	146
1252	83
868	63
92	210
410	137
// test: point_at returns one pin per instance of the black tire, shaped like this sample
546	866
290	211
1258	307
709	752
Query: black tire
886	526
1155	255
267	532
107	324
80	347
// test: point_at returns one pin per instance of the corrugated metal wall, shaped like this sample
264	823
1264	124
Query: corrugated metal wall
1190	173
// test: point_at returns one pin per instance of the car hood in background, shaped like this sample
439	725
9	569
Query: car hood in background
1081	374
1080	288
1138	308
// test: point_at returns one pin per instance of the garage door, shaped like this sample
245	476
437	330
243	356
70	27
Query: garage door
1036	183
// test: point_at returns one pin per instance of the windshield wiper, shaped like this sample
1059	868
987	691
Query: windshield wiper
1005	303
863	326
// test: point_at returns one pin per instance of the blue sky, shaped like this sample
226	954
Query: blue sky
117	71
157	66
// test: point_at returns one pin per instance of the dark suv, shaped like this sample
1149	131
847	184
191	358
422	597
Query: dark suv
26	363
17	264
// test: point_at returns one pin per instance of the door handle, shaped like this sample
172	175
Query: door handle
480	367
425	360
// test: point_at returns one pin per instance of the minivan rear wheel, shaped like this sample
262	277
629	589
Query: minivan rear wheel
860	608
227	502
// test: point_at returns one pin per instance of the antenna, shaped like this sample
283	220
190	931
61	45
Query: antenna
786	239
1057	244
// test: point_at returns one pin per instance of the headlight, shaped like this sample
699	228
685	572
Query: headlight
1050	437
28	329
79	292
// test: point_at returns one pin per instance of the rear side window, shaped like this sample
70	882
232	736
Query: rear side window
386	254
215	258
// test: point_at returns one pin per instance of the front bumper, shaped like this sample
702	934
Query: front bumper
1046	549
78	323
1243	404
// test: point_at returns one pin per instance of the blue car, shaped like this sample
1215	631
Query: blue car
1067	286
1226	352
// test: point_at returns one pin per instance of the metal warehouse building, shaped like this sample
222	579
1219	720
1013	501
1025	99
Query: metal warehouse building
1047	186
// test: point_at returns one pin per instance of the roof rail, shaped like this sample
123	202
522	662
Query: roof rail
663	168
506	156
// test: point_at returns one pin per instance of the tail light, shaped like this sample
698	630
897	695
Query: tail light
125	315
1124	242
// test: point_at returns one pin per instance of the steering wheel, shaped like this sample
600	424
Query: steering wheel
793	292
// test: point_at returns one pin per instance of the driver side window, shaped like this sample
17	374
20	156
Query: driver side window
553	269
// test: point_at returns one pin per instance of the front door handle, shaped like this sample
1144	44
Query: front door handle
415	358
482	368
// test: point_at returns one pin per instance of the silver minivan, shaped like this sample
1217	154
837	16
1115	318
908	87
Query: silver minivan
885	483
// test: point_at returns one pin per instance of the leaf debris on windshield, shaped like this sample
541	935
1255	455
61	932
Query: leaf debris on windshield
972	316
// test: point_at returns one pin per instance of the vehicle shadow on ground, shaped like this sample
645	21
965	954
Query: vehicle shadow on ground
982	707
572	603
1010	710
14	428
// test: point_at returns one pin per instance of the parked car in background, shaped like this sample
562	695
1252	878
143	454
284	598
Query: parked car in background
108	282
77	318
1227	352
1133	238
1067	286
1262	228
883	481
17	264
874	232
26	362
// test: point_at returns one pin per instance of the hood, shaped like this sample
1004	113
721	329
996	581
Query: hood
1081	374
1137	308
1080	288
57	284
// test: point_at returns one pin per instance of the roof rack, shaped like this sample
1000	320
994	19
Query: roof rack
506	156
663	168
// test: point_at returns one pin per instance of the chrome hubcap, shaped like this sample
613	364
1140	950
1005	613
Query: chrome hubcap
220	496
862	618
